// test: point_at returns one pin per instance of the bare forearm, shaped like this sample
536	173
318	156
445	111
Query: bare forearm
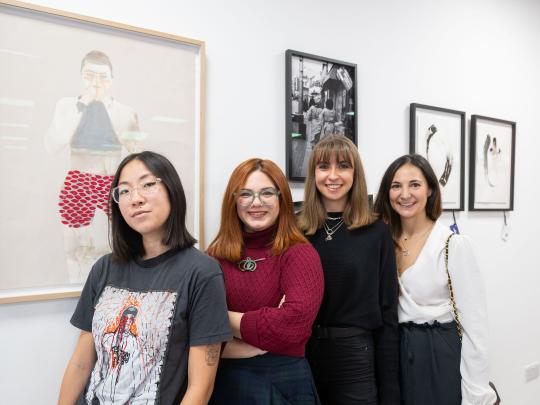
238	349
202	367
78	369
73	383
235	318
197	395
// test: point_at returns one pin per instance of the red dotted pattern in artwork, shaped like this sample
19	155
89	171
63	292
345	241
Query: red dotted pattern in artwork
81	194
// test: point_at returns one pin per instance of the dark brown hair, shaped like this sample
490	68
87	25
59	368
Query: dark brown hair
382	205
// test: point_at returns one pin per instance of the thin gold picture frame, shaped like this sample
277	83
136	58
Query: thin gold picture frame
31	11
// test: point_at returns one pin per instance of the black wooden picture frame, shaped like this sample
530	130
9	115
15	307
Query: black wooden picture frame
438	134
491	164
320	99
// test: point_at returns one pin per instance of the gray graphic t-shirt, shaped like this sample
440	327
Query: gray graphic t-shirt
144	316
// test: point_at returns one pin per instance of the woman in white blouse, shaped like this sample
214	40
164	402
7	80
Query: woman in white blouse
437	365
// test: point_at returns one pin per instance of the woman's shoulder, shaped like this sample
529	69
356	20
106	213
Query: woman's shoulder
442	234
377	228
198	262
301	251
104	263
461	242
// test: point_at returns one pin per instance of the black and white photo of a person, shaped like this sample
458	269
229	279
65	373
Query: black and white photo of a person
328	118
313	118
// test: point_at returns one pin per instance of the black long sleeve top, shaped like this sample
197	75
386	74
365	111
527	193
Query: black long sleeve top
361	290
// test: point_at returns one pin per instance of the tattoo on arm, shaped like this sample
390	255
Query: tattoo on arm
212	355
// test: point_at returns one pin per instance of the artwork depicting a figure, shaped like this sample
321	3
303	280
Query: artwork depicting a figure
492	156
439	154
492	159
97	130
131	360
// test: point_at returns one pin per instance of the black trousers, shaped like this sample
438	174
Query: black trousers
430	360
344	369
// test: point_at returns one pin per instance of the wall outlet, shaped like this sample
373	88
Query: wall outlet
532	371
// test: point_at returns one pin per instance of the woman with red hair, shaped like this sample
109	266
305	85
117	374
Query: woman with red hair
274	286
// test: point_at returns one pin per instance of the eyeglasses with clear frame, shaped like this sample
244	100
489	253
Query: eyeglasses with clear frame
267	196
124	193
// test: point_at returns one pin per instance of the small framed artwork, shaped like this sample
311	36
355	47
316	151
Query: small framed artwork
78	95
438	134
320	99
492	158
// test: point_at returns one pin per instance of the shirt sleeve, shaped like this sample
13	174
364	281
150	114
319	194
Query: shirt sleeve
208	320
65	120
470	297
387	336
84	312
282	330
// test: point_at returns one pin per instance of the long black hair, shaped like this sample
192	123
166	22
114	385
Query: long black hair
126	242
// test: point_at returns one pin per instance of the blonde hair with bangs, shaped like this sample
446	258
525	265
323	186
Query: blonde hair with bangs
357	212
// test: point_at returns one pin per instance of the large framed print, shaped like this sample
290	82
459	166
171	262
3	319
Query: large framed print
78	94
492	159
320	99
438	134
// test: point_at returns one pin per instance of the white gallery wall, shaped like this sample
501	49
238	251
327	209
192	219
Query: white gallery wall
482	57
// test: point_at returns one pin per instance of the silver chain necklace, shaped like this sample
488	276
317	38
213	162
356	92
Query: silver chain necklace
330	230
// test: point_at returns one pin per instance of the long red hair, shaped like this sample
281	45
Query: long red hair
229	243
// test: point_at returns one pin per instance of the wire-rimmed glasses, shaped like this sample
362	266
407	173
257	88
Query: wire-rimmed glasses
267	196
124	193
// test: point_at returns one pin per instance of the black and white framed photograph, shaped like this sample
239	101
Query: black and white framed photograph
492	158
320	99
438	134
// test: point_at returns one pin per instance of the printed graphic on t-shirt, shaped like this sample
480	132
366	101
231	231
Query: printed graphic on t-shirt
130	330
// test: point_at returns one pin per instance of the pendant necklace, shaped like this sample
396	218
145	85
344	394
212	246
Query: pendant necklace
330	230
249	264
404	250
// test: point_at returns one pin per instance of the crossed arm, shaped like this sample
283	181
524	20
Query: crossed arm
237	348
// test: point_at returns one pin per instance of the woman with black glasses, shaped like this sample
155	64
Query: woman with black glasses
274	285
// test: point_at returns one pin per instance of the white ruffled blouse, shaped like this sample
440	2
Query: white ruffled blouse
424	297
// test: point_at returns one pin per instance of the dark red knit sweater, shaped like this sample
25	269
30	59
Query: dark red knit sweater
296	273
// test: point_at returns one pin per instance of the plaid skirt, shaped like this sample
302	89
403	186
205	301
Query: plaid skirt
270	379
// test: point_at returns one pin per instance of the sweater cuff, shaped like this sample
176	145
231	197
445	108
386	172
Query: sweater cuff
248	329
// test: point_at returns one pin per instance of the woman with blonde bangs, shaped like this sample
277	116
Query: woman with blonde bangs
353	351
274	285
